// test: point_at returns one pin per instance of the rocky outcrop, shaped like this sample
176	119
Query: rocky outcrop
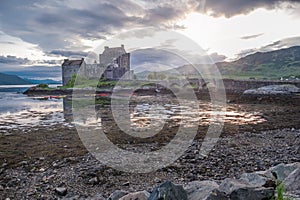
168	191
204	190
257	185
292	184
143	195
273	90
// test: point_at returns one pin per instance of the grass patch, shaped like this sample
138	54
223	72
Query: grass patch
80	103
280	190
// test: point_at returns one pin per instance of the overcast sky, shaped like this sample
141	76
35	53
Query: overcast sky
43	32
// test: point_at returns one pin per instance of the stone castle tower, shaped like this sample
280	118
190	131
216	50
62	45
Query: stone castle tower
114	64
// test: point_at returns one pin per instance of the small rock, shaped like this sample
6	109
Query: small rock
126	184
42	169
94	181
23	162
116	195
143	195
62	191
157	180
168	191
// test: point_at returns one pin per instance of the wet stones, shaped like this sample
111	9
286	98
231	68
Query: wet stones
62	191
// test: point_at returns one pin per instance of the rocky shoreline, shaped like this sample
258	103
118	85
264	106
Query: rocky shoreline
83	177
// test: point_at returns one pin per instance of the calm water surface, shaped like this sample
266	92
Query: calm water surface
18	111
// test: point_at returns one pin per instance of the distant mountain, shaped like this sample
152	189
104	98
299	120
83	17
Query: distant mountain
45	81
33	72
6	79
273	64
143	75
260	65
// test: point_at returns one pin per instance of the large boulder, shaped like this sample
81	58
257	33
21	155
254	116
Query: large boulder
143	195
229	185
260	193
282	171
274	90
255	179
204	190
247	188
292	184
168	191
116	195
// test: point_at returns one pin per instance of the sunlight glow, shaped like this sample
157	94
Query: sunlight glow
223	35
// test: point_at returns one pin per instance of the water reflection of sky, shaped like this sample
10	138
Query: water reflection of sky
145	114
19	111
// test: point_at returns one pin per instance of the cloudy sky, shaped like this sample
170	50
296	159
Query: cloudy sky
43	32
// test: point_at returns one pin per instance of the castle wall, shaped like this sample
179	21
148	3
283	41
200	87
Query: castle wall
68	71
124	61
93	71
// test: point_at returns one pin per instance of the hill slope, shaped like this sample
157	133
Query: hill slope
273	64
6	79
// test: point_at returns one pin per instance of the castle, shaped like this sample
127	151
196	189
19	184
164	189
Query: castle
114	64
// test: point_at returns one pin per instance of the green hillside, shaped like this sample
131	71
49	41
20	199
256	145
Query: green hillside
6	79
261	65
273	64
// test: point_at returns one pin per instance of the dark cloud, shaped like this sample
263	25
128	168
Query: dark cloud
62	24
247	37
57	24
284	43
230	8
162	14
66	53
13	60
153	59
